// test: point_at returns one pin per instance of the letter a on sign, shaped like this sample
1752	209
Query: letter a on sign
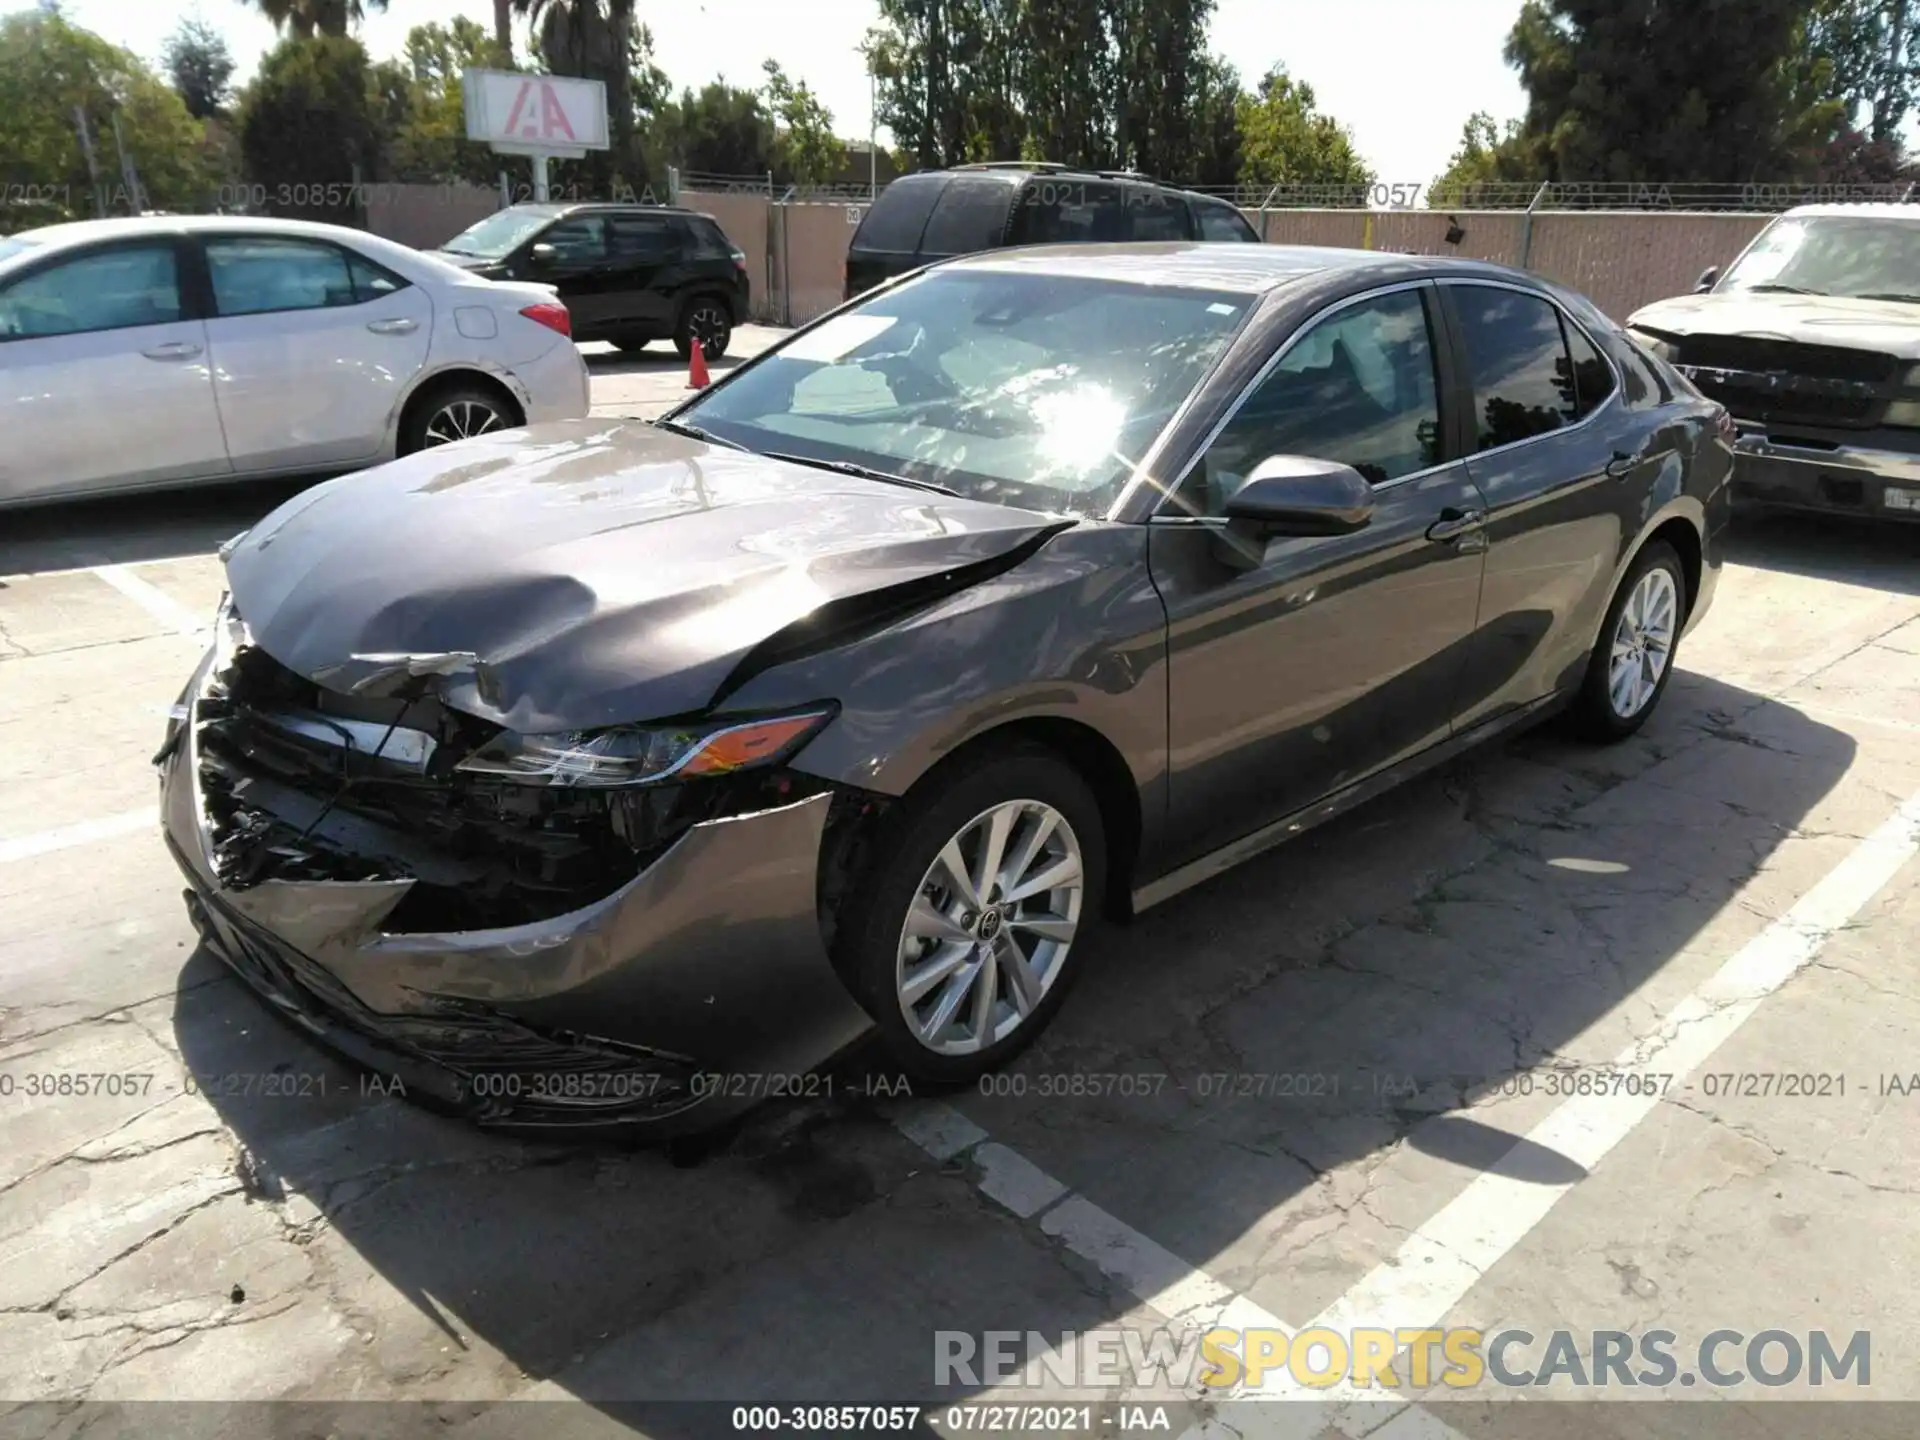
540	118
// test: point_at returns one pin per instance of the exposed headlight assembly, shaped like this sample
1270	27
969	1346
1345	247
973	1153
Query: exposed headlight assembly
646	754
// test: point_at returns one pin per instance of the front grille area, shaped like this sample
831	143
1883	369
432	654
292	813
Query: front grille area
292	804
1787	357
1772	399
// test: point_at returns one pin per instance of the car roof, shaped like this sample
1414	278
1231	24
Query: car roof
80	232
1206	265
1874	210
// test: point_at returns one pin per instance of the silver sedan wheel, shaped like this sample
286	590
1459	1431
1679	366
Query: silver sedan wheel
462	420
989	928
1642	642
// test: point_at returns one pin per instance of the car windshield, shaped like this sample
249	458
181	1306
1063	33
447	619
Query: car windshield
1028	389
500	232
1856	256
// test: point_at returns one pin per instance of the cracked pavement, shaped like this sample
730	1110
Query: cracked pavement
1278	1077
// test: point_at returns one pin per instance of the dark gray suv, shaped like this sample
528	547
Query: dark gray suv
938	214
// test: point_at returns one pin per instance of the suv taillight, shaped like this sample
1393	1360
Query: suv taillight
551	314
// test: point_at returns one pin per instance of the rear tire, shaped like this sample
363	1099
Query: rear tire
458	410
1633	658
705	317
914	937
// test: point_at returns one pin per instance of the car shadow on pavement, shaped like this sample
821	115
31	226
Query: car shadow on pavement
659	358
1880	554
134	529
1274	1077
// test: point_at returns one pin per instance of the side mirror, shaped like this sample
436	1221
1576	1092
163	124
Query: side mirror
1294	496
542	254
1706	281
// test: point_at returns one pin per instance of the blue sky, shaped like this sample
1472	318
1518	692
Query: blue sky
1403	75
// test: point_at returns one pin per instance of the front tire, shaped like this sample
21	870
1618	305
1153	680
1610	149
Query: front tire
1633	659
967	931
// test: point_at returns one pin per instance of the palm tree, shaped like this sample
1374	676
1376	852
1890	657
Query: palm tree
307	18
503	30
591	38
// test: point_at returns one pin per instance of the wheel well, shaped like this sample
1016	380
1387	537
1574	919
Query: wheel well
1096	760
1685	540
458	380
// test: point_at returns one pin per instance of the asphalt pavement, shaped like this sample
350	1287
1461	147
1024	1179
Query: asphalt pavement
1372	1079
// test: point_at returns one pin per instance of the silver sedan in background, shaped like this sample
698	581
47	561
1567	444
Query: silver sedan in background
137	353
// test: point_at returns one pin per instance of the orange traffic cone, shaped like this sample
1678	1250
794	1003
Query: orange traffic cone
697	368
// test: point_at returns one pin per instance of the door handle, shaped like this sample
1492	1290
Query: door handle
172	350
392	327
1455	522
1621	463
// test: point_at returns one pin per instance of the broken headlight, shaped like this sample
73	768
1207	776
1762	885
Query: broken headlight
645	754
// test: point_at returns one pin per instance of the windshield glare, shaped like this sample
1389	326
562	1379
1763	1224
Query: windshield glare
498	233
1833	255
1034	390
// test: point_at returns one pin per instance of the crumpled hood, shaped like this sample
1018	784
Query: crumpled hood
585	572
1887	326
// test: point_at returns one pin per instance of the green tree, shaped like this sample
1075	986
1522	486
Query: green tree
47	68
309	127
720	131
1640	90
421	109
201	67
1488	170
1285	140
1871	60
805	149
601	40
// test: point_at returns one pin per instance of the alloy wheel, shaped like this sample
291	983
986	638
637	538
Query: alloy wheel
462	420
1642	642
989	929
708	325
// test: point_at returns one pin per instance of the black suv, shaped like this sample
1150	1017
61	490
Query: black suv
935	214
627	273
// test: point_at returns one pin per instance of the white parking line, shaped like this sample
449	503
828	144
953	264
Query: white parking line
150	598
84	833
1440	1262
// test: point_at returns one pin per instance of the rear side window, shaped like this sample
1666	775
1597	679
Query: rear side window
643	237
1067	211
1523	377
1156	215
371	281
971	215
709	241
898	214
1222	222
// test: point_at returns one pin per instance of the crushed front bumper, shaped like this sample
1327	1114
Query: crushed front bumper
1842	480
694	989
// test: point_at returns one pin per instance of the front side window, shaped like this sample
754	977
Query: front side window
581	240
1861	257
1358	388
109	290
1069	212
1029	389
256	275
1523	376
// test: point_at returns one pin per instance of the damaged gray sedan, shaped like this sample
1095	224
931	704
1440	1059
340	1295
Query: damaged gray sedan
621	774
